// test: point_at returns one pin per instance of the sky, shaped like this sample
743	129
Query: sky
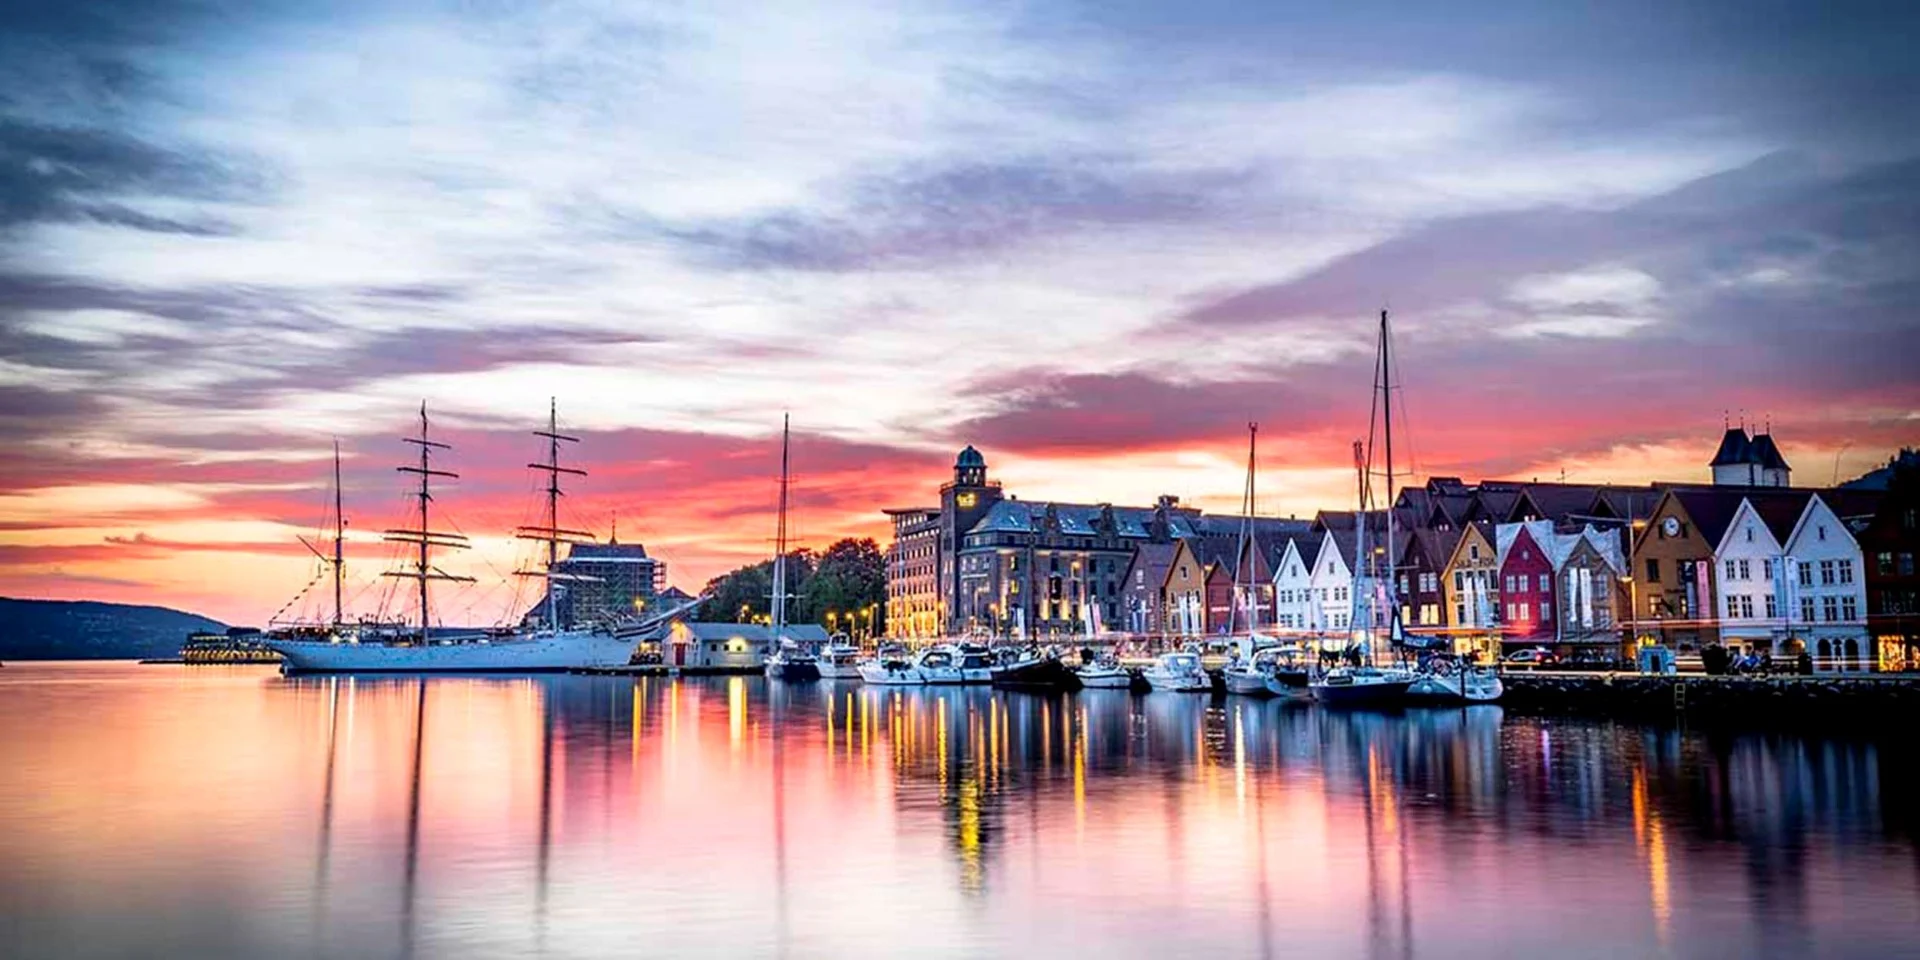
1094	240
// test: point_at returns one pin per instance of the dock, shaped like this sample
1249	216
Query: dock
1786	699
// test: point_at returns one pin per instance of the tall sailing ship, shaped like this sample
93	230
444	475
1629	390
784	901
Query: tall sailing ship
351	648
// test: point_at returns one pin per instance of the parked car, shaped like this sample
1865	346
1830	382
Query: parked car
1537	656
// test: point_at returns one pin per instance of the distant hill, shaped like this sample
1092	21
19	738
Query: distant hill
89	630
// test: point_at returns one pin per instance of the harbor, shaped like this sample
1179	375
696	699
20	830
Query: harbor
380	816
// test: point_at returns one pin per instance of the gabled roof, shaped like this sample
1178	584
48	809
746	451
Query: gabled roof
1437	546
1712	509
1540	532
1306	545
1606	543
1735	448
1152	560
1780	513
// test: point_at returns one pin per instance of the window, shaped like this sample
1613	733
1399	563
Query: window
1846	571
1509	611
1733	606
1459	613
1773	607
1546	611
1473	549
1806	609
1730	569
1766	570
1746	605
1886	563
1806	574
1546	584
1906	564
1653	570
1826	573
1746	570
1822	529
1507	583
1847	609
1830	608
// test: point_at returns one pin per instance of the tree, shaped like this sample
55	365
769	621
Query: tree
848	581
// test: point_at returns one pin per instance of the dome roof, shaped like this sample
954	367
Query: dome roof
970	458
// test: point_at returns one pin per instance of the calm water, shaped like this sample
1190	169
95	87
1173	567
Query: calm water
170	811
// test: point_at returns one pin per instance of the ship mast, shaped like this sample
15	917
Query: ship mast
553	534
1244	562
425	538
778	603
339	539
1386	410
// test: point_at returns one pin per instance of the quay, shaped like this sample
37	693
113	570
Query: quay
1788	700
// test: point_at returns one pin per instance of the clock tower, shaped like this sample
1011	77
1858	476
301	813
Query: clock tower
962	503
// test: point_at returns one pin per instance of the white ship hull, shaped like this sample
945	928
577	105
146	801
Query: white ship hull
1251	683
891	674
1104	678
838	671
567	650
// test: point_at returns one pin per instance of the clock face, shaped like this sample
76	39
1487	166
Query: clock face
1672	526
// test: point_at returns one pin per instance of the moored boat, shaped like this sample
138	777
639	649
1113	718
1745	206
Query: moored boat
1104	673
1178	673
793	662
1362	686
892	665
1030	667
839	661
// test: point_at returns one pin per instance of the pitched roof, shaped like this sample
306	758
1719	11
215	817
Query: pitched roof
1780	512
1437	546
1307	545
1735	448
1539	531
1767	454
1152	559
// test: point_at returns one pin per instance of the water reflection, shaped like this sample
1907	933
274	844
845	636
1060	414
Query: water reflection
237	813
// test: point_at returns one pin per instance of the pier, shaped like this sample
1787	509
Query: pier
1787	700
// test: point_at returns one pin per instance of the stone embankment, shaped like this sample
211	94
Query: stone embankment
1792	700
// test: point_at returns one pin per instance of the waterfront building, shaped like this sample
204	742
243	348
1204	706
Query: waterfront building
1423	558
1185	590
732	646
1526	572
1755	597
1588	594
1673	564
1889	540
1828	591
1143	587
1470	579
914	607
1293	598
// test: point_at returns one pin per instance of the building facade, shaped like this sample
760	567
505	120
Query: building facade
601	582
914	574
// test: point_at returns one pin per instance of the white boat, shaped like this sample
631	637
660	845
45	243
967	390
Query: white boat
790	660
1475	685
1178	673
839	661
1105	673
892	665
948	663
793	661
1250	678
1362	686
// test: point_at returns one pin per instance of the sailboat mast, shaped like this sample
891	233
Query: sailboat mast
778	605
1245	559
339	539
1386	409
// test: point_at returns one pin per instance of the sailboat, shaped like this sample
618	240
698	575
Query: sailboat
1366	684
350	649
789	659
1251	672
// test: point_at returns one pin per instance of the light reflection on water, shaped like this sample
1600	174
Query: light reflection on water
226	811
